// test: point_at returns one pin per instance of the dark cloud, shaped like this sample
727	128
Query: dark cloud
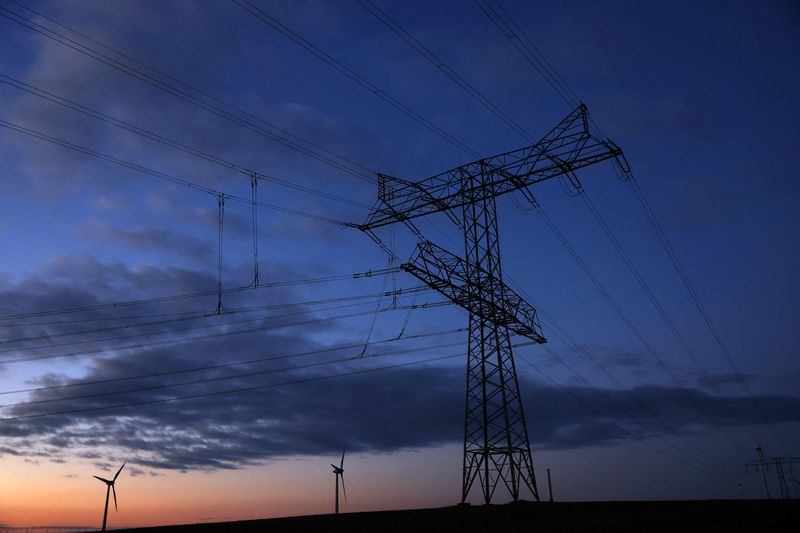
163	441
625	359
8	450
164	240
715	381
383	411
103	465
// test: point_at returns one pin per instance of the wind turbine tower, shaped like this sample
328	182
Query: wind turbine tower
110	488
339	471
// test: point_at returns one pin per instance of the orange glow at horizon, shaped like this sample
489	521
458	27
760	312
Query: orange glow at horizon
66	494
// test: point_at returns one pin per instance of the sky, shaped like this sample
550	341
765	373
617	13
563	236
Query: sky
120	131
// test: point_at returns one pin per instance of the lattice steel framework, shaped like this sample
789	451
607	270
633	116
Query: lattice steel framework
496	444
778	462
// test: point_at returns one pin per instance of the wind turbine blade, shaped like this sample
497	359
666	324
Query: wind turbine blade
344	490
120	470
341	464
101	479
115	497
334	466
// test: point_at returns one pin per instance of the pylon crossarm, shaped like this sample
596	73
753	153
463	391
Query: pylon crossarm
446	273
566	148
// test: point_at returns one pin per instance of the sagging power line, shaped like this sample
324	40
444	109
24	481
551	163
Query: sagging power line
82	383
161	175
174	297
166	141
239	117
226	392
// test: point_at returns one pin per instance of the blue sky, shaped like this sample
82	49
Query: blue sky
701	97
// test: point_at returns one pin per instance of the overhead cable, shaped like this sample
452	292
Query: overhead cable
234	390
284	30
161	175
166	141
239	118
159	299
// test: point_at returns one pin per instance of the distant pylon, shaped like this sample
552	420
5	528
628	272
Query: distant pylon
778	462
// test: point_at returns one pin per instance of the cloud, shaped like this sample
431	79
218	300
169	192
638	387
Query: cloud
69	283
716	381
383	411
59	69
288	226
380	412
625	359
157	239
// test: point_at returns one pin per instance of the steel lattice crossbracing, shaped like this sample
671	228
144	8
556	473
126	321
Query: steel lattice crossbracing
448	274
763	465
496	444
568	147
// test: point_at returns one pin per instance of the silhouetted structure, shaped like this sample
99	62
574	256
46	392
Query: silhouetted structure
496	443
339	472
110	488
549	487
778	462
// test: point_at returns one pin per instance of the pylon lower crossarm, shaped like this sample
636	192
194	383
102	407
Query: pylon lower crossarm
446	273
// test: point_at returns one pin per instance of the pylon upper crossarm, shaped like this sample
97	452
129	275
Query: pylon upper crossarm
566	148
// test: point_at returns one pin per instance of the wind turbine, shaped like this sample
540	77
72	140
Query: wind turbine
110	488
339	471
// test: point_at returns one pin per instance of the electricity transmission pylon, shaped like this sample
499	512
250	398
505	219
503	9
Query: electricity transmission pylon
496	444
763	465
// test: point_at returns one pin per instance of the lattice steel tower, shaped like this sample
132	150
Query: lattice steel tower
496	445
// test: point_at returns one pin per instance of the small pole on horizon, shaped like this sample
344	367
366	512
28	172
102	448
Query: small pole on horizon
549	486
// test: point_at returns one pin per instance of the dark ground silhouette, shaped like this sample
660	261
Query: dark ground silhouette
595	517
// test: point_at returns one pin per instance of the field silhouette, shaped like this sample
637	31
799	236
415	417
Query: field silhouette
595	517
